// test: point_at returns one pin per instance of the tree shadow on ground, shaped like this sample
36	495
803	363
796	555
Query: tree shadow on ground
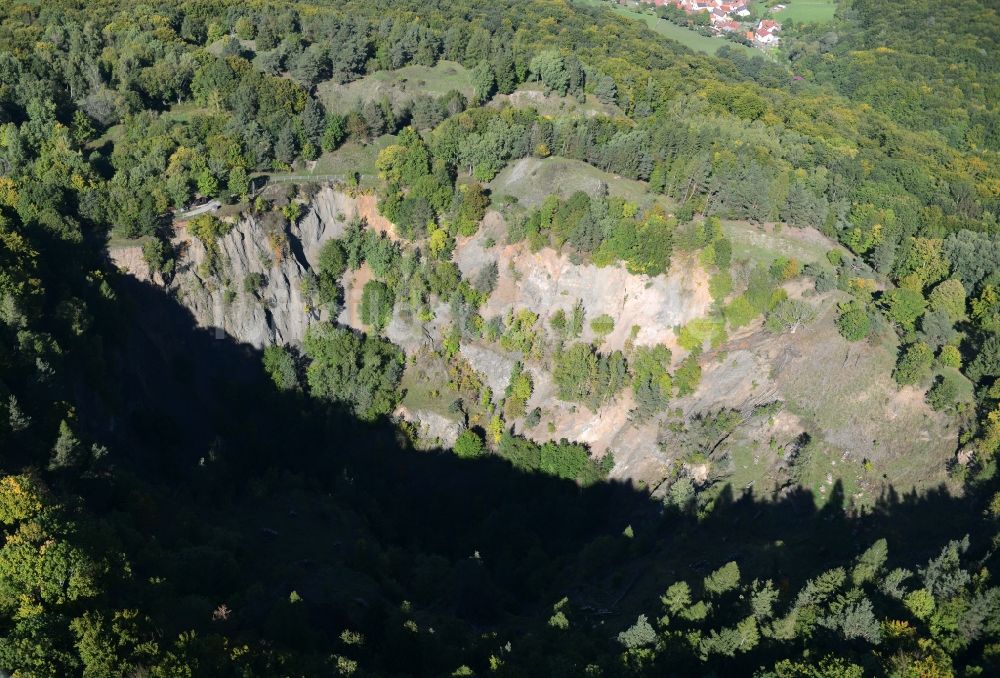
238	494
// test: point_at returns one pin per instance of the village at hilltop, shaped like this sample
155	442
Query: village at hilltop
730	16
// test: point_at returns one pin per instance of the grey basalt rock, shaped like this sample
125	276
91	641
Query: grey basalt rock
276	312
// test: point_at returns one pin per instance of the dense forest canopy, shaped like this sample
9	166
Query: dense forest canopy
173	504
929	66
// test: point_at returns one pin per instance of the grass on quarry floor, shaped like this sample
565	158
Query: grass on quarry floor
685	36
806	11
846	398
764	244
868	434
425	388
752	460
400	85
352	157
531	180
824	467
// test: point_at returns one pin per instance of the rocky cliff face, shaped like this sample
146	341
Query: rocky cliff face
275	257
273	312
546	281
753	368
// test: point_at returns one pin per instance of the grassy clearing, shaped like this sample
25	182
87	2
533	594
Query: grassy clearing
751	462
426	388
867	433
762	245
531	180
117	242
425	384
532	95
349	158
845	396
398	86
353	157
185	112
111	135
825	469
966	390
685	36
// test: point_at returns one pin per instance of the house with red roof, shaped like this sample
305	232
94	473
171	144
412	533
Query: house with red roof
766	32
721	15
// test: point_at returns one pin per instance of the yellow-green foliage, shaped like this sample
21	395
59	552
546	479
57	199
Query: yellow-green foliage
687	376
518	391
740	312
21	498
208	228
692	337
520	334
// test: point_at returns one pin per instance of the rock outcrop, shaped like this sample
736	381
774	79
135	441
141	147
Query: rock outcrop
546	281
273	313
249	287
227	296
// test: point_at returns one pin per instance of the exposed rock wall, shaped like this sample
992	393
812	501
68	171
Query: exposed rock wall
840	393
546	281
276	312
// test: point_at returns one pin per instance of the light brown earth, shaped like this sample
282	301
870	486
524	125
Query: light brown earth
366	207
130	260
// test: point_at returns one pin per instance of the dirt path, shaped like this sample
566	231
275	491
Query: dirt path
354	286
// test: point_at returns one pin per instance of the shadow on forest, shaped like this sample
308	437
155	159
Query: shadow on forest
202	426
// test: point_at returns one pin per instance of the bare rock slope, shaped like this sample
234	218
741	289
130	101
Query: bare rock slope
840	393
218	296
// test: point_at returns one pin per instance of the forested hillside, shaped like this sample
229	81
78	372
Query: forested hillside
927	65
176	503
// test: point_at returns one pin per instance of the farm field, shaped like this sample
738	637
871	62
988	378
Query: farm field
807	11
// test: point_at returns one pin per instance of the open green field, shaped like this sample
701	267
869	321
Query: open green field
185	112
352	157
111	135
806	11
688	38
398	86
